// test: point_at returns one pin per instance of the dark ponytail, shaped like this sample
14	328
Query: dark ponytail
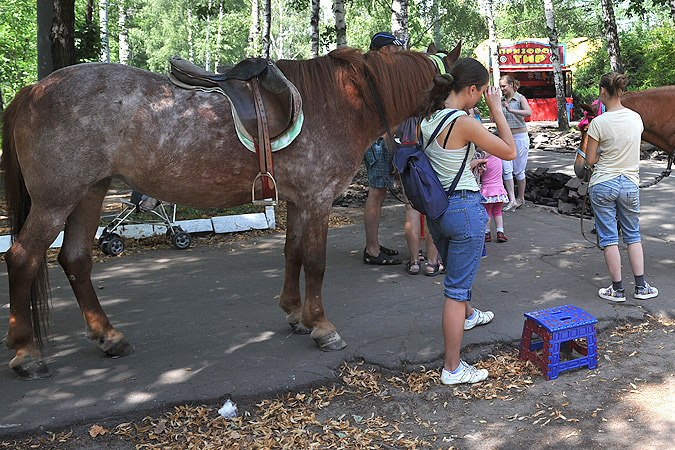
463	73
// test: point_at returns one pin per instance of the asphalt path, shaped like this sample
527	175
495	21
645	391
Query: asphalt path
206	326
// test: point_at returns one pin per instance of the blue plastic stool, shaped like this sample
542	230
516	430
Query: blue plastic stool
558	326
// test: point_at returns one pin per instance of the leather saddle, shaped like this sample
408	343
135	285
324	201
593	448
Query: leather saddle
264	103
280	97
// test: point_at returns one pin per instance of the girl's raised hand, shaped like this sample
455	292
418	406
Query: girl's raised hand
493	98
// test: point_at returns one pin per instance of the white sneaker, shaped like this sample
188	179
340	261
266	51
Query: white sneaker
479	318
645	292
466	374
609	293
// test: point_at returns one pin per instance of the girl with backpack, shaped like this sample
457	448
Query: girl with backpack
459	232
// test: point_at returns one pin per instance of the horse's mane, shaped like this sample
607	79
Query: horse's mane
397	77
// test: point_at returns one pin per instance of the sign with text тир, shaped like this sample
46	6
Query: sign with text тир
529	54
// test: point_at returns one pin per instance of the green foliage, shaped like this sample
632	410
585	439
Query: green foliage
647	58
18	46
519	19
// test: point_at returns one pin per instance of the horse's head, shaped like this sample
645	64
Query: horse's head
581	169
450	57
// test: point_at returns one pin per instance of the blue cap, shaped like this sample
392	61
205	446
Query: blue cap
382	39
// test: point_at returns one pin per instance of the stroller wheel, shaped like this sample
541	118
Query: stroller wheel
114	246
181	240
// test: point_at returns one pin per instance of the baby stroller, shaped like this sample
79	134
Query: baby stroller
111	243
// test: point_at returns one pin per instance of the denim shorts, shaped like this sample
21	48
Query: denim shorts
379	166
618	198
459	235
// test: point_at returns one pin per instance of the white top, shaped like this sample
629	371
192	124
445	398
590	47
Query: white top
618	134
446	163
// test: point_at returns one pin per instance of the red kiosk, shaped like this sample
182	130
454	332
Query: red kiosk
530	63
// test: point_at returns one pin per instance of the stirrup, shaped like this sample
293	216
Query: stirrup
267	201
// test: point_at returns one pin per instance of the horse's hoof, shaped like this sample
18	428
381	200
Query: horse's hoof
330	342
299	328
34	369
121	348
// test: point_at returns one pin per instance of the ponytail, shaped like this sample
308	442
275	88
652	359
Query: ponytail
614	83
463	73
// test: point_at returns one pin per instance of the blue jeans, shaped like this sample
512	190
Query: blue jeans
459	235
618	198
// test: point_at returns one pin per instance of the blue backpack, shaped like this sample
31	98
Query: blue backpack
420	182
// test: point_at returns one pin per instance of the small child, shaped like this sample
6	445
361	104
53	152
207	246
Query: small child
492	188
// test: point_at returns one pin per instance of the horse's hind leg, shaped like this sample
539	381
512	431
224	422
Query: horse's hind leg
28	290
76	259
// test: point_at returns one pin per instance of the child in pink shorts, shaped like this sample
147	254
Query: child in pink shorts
495	195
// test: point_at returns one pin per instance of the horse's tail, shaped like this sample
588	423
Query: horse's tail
18	207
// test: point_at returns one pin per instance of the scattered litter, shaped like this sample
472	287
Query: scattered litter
229	410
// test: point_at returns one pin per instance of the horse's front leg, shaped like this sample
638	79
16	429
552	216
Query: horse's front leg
289	300
313	220
76	259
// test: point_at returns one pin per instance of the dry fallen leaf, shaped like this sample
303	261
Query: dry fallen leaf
97	430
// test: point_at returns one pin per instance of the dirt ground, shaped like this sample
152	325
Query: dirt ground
626	402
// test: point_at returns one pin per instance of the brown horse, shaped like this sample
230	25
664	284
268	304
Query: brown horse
66	137
655	106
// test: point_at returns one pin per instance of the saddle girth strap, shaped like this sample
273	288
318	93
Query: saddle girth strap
263	146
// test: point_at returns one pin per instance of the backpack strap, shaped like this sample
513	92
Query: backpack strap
455	181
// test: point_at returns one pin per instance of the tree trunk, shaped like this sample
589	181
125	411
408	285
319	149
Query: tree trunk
437	24
399	21
340	24
563	124
254	32
266	28
314	24
45	17
219	35
191	47
124	51
103	23
672	9
207	57
494	56
89	13
63	34
612	36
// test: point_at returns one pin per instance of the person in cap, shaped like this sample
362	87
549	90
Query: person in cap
379	167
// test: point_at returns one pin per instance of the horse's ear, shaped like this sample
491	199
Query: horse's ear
431	49
454	54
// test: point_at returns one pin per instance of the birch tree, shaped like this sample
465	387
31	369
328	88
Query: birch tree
103	24
124	50
314	32
207	49
254	32
612	36
399	21
219	34
563	124
494	57
267	24
340	24
191	46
